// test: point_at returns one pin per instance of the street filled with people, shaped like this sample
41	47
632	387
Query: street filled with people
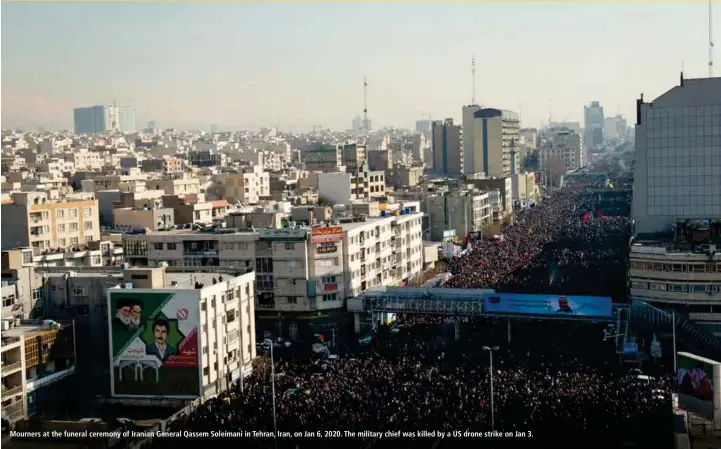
554	383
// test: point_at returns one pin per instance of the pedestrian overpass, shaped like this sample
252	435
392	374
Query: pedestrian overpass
627	319
450	301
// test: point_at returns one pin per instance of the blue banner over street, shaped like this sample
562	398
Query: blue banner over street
590	306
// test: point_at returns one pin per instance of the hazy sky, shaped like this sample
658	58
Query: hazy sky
245	65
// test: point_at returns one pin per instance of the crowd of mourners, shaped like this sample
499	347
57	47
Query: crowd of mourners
555	383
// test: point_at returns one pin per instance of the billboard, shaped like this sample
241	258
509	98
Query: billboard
154	343
326	235
694	378
591	306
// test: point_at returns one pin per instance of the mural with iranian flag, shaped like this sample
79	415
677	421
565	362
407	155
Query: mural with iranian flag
154	343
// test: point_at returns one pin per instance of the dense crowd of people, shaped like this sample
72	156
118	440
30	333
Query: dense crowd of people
557	384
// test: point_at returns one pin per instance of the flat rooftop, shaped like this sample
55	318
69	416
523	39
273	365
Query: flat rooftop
173	279
28	330
187	280
668	242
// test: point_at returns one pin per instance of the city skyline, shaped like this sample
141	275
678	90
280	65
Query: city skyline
270	64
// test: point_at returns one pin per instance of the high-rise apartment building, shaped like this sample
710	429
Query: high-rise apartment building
677	174
495	142
447	143
564	144
674	260
615	128
469	155
100	119
594	123
423	126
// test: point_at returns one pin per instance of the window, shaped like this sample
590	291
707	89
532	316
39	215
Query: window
87	212
328	279
292	300
330	297
97	260
73	240
290	264
80	291
157	246
9	301
46	229
46	215
171	246
61	227
290	246
205	349
203	306
60	213
242	246
88	225
73	227
72	213
206	371
27	257
88	238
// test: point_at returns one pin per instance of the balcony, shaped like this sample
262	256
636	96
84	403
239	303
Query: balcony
10	392
202	253
13	412
11	367
7	341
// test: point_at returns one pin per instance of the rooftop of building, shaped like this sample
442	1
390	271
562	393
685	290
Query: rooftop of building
692	92
179	275
29	328
673	242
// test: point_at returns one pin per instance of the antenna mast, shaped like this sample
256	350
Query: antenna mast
550	110
710	39
473	75
365	103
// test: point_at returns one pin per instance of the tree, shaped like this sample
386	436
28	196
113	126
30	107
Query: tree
530	162
325	201
555	169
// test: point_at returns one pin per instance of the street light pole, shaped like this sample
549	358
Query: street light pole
272	375
490	353
673	317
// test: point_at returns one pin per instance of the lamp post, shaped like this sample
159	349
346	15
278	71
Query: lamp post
491	350
272	375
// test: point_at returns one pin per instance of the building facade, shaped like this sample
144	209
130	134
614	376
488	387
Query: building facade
447	147
496	139
100	119
44	225
562	144
469	155
594	124
461	212
677	173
